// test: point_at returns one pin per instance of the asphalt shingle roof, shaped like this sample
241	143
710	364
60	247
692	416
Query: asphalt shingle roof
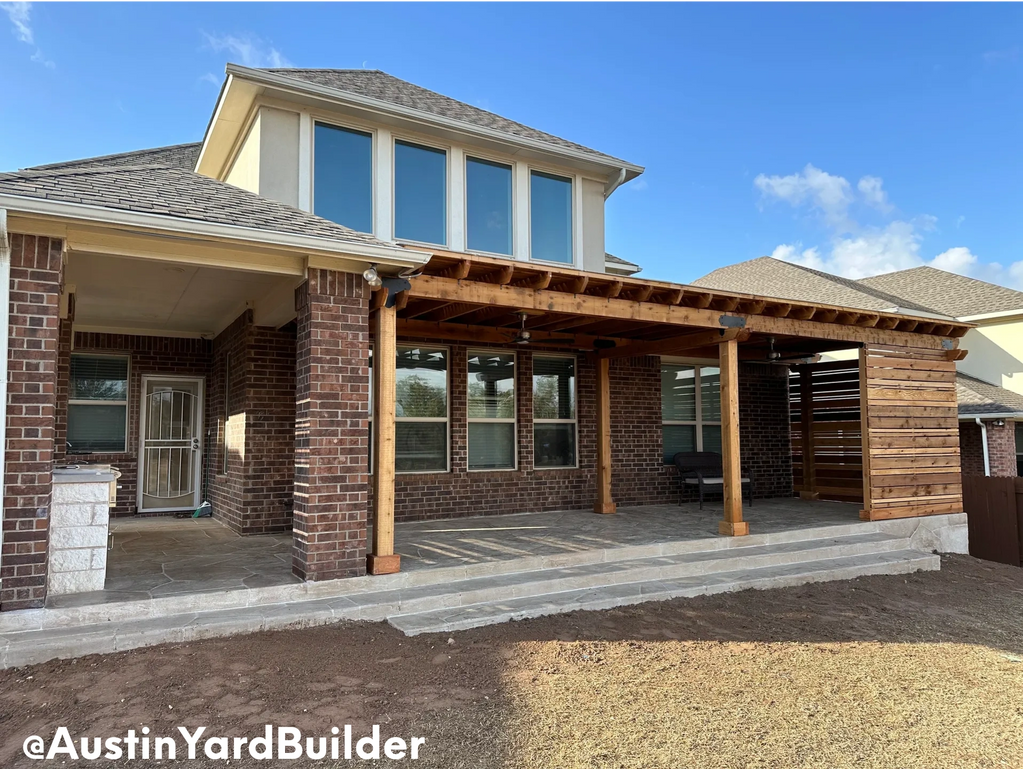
178	155
767	276
170	190
379	85
946	292
977	397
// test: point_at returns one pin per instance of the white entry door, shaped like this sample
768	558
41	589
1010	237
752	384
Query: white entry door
170	455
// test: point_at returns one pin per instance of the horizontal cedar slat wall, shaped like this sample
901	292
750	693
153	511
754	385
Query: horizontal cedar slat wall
825	407
911	433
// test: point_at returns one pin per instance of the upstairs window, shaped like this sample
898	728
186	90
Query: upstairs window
690	409
420	193
343	177
550	218
97	415
421	410
491	411
554	416
488	206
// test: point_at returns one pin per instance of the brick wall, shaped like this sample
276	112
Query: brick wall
1001	443
36	280
148	355
331	439
638	473
254	495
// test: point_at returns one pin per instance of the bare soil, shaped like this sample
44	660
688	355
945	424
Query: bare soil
924	670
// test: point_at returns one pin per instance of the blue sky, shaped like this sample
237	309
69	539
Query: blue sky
855	138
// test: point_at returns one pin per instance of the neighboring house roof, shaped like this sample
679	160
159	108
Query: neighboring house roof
948	293
177	155
617	265
375	84
767	276
979	398
168	190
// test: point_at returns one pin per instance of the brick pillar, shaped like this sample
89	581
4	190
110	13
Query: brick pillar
36	274
331	427
1001	446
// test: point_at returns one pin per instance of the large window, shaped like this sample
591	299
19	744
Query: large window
554	414
690	408
97	415
343	177
420	193
491	411
550	218
421	410
488	206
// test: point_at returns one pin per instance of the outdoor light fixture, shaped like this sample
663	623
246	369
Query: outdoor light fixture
523	336
373	277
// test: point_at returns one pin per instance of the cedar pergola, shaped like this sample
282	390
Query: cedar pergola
487	300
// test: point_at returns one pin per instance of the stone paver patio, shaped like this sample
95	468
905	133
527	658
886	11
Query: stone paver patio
160	557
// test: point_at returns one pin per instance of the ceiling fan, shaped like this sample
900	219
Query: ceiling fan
776	358
523	337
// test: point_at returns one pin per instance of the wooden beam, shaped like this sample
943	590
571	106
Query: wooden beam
401	300
424	329
457	271
779	310
956	354
803	313
675	344
753	307
604	503
674	296
501	276
700	301
728	363
538	281
578	285
427	286
382	559
612	290
640	294
377	298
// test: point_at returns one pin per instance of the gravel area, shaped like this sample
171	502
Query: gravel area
924	670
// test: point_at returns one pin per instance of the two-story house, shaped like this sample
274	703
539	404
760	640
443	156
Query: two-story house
357	301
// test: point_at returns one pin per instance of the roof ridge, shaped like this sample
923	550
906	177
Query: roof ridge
40	173
100	158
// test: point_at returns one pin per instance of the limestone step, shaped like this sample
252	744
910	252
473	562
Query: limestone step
624	594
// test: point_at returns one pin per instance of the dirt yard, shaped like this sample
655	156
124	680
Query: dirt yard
917	671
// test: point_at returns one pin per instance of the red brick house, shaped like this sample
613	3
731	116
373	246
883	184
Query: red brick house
357	302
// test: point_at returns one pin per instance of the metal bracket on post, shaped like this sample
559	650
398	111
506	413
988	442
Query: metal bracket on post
395	286
732	321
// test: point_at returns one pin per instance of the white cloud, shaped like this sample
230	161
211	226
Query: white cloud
828	194
795	253
38	58
638	186
959	259
19	14
874	195
959	222
209	77
249	50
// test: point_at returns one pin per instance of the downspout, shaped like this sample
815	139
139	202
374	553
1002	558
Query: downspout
614	184
983	443
5	318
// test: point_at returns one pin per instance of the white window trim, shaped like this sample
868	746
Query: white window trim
575	179
89	402
699	423
573	421
514	421
511	165
373	139
447	150
436	420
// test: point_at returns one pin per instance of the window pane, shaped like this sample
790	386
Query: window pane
554	445
491	386
710	393
94	377
96	428
678	394
343	177
550	218
678	438
491	445
422	382
712	438
420	446
488	206
553	388
420	193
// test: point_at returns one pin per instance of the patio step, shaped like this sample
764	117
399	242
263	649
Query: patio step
624	594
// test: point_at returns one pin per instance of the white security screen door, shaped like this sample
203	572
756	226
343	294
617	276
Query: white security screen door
170	457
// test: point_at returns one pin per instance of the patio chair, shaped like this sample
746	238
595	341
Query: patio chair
703	469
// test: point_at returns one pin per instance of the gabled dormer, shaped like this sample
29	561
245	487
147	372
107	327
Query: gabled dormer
383	156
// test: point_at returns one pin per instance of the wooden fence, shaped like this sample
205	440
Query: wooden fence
827	443
994	511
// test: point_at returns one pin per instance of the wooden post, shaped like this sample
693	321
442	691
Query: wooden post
382	558
732	525
604	503
809	490
865	435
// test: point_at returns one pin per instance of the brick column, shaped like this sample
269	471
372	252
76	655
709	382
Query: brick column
1001	446
331	427
36	274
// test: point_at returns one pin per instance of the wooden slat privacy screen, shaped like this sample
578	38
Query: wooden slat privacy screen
911	433
827	444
